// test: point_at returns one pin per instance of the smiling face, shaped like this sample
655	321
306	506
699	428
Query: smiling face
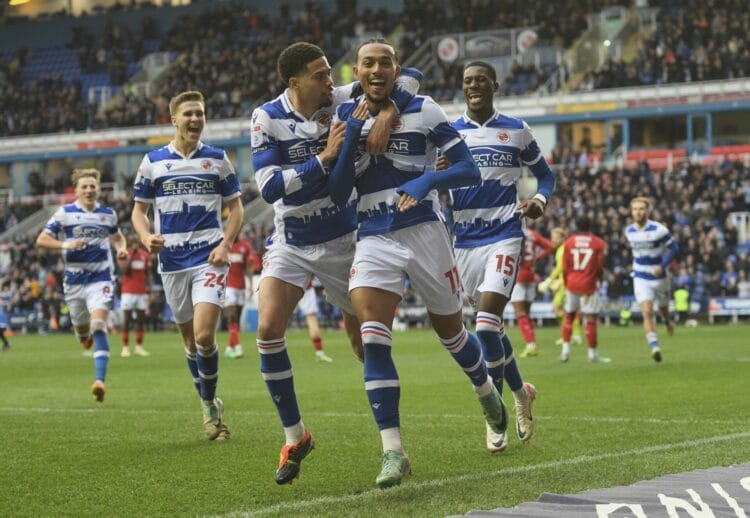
87	190
479	89
314	88
189	121
377	70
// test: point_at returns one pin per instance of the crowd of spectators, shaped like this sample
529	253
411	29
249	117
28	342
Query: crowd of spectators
693	201
229	53
693	41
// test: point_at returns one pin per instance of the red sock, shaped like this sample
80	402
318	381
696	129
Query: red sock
139	338
567	328
317	343
590	333
527	328
234	334
125	338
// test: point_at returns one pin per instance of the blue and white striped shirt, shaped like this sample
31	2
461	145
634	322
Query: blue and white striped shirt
487	213
94	262
187	193
285	146
649	245
420	130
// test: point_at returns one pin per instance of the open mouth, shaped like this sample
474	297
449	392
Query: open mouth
475	97
377	85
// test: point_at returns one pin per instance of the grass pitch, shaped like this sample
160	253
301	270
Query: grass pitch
142	453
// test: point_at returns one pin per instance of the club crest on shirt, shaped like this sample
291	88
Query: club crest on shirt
397	124
503	137
324	119
206	165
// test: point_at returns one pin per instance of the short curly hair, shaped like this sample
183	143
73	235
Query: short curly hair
293	60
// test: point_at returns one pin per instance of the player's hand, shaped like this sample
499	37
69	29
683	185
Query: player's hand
658	270
75	244
123	255
442	163
377	139
219	256
153	243
334	143
406	202
532	208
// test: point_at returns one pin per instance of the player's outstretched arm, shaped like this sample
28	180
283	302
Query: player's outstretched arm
463	172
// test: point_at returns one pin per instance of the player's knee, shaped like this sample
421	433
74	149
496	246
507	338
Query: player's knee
269	329
98	325
204	336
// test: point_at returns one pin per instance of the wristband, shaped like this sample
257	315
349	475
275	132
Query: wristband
66	245
540	197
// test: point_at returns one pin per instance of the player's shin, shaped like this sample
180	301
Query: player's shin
488	332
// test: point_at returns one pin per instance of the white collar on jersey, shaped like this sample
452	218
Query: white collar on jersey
77	203
173	149
469	120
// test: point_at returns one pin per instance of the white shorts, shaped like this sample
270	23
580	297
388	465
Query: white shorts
234	297
424	253
482	268
588	304
185	289
82	299
656	290
131	301
308	304
523	292
329	262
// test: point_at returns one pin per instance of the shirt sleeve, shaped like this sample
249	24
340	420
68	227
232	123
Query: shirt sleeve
440	132
144	190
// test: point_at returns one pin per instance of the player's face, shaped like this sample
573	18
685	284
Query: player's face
479	88
377	71
639	211
87	189
557	238
316	86
190	121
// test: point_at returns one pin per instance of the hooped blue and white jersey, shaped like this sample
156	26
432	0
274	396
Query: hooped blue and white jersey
94	262
284	141
187	194
649	245
417	133
487	213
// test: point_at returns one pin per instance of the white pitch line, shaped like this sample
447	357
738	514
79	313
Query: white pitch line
363	415
374	493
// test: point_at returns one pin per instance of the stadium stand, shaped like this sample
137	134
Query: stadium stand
691	42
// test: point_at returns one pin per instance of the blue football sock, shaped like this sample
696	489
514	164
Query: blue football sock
276	369
381	378
193	367
208	370
489	327
467	352
101	354
512	374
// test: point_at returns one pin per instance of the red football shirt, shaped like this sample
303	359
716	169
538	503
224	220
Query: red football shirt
536	247
239	255
583	263
135	280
